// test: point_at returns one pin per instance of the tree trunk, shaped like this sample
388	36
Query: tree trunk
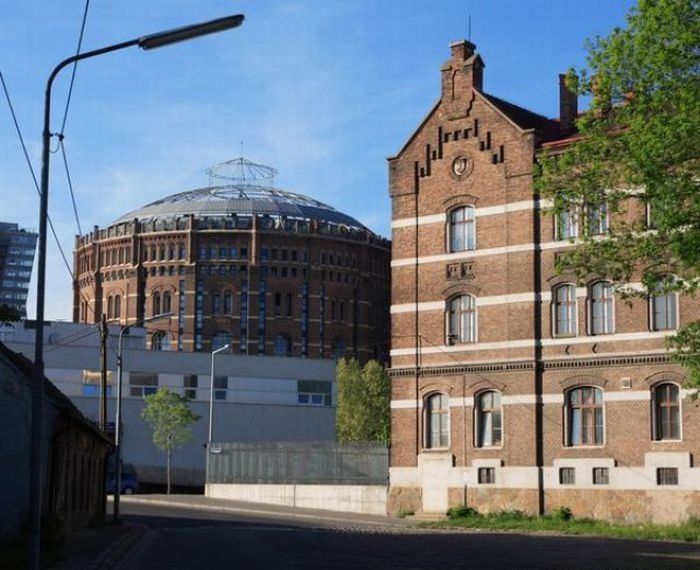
169	461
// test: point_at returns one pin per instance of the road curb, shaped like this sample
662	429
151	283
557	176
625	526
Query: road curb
252	511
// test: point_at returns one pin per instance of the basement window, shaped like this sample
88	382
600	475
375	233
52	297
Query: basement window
667	476
567	476
601	476
487	475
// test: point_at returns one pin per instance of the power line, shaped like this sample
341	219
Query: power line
75	68
70	183
31	168
61	134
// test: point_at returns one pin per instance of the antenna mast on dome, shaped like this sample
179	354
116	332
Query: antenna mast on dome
242	172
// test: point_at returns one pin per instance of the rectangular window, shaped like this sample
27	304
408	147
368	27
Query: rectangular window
190	383
228	303
94	390
215	303
487	475
278	304
289	305
601	476
667	476
212	253
314	392
143	384
244	253
222	252
264	254
567	475
220	387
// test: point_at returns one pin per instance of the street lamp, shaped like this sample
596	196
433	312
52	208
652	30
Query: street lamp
118	413
211	410
145	42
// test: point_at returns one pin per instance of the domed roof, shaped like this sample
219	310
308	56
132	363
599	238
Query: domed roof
250	193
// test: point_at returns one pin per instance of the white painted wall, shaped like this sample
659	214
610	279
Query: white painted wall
365	499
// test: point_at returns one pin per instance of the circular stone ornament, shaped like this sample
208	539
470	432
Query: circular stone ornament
462	167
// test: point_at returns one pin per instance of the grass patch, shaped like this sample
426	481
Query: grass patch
562	521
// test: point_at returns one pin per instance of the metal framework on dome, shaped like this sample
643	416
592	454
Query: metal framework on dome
242	172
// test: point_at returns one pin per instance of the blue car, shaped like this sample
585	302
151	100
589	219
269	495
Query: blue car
130	481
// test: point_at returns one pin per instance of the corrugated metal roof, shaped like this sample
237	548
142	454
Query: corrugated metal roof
242	200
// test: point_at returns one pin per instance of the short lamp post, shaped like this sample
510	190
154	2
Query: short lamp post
210	437
148	42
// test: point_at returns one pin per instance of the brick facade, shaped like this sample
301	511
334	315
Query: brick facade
477	319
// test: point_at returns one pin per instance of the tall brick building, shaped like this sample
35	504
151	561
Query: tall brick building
240	262
514	387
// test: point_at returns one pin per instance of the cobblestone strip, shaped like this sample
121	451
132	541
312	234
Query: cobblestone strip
115	552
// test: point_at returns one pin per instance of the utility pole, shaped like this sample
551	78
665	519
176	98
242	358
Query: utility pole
104	333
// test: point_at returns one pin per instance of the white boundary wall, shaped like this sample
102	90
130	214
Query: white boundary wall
364	499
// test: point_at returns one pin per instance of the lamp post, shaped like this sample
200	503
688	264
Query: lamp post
118	413
211	411
150	41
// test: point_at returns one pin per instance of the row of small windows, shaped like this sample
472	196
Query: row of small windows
599	475
220	252
663	310
461	225
663	313
584	415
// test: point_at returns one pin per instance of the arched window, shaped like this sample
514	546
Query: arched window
339	348
166	302
663	309
462	229
584	409
110	309
667	412
117	306
567	223
564	310
157	341
489	419
228	303
601	308
221	339
121	255
597	218
156	303
461	322
437	421
282	346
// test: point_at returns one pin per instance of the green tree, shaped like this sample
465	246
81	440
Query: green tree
638	149
364	396
170	417
8	314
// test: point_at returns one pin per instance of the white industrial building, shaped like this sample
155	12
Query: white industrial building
256	398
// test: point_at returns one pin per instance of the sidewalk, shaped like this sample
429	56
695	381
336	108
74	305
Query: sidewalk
202	503
100	547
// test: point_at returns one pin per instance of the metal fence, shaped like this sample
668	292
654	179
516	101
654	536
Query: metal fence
322	463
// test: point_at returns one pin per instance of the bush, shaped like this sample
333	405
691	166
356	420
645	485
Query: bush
462	512
563	514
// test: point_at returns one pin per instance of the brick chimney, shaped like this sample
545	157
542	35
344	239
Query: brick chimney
461	73
568	106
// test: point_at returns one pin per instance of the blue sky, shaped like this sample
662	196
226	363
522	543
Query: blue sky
323	90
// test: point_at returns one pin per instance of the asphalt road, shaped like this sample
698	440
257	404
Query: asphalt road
180	538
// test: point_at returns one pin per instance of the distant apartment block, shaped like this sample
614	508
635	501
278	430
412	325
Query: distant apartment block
17	248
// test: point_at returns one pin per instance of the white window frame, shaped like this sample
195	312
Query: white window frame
611	314
468	223
427	422
567	419
450	336
553	312
477	420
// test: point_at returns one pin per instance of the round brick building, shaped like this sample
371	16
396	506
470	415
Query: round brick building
240	262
